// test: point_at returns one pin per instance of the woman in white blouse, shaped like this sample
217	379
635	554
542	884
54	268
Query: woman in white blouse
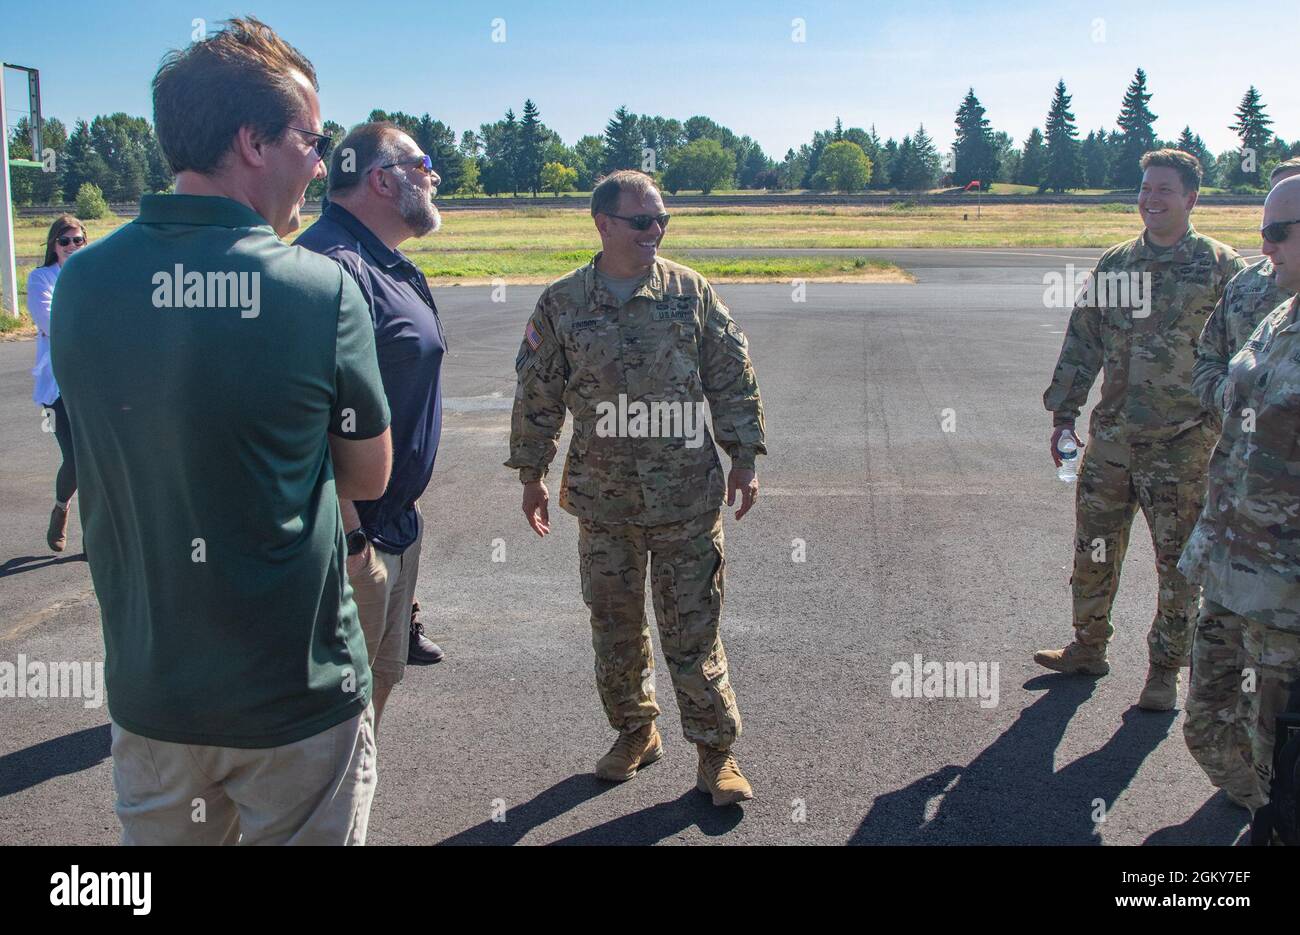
67	236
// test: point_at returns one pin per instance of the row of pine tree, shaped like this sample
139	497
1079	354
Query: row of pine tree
519	153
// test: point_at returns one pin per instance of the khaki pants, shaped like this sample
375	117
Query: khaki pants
384	591
314	791
686	572
1167	481
1215	730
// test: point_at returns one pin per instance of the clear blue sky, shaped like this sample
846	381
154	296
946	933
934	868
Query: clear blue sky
732	61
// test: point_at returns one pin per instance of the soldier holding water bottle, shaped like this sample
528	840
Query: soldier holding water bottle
1137	321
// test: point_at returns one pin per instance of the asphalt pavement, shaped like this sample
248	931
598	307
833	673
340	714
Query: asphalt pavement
909	469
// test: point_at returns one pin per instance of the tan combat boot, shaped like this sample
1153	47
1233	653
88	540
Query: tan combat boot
630	752
1075	659
720	776
1161	690
57	534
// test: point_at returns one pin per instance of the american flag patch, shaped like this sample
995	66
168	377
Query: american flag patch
532	337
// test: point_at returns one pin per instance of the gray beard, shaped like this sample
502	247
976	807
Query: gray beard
419	212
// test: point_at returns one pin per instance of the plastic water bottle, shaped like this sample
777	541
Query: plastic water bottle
1069	452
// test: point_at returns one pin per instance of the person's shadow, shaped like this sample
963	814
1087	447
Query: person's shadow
1011	793
22	563
70	753
647	826
1217	821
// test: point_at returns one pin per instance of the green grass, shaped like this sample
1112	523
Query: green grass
19	325
537	244
540	266
505	232
851	227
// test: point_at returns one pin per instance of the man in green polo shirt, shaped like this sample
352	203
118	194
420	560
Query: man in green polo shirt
228	395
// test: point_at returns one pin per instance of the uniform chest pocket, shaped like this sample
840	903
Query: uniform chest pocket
1271	430
683	338
590	341
676	355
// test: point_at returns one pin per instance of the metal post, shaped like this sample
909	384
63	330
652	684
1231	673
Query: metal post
34	108
8	266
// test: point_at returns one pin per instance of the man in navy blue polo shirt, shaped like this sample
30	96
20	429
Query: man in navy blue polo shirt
381	190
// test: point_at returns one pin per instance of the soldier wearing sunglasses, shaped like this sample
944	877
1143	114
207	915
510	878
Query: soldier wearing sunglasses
629	328
1215	734
1244	551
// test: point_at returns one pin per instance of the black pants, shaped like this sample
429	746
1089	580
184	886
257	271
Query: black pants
65	482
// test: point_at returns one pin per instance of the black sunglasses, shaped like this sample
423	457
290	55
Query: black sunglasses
643	221
321	144
1277	231
66	241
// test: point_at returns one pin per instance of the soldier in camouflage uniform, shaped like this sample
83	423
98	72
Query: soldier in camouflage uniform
1244	551
625	334
1214	731
1147	302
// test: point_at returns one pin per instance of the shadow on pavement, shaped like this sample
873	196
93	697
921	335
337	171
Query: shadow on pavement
647	826
70	753
1218	821
16	566
654	824
521	819
1010	793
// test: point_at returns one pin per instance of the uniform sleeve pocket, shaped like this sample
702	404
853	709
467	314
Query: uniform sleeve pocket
1062	385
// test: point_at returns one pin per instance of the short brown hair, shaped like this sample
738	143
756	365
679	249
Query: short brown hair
604	198
365	146
62	224
1187	166
1291	165
241	76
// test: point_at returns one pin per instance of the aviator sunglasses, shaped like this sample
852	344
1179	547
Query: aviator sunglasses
424	162
66	241
1277	231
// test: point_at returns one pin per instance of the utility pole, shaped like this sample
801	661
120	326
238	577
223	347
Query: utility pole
8	260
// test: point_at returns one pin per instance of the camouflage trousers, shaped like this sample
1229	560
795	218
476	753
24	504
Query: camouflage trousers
1274	655
686	573
1216	730
1167	481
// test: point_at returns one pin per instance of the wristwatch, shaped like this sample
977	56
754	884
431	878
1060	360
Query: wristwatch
356	541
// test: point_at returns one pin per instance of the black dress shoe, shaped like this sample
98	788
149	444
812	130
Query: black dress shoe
423	651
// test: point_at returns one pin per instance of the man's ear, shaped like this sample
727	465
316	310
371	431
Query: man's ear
381	183
1192	201
249	147
602	224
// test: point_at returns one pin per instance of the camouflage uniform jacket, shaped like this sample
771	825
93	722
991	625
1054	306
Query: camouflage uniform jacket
1245	551
1251	295
1146	393
672	342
